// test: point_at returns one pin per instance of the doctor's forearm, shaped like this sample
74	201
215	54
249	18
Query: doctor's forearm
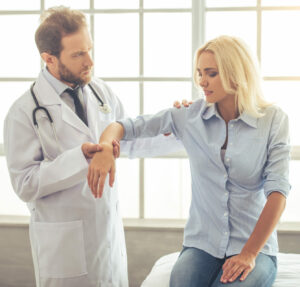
114	131
266	223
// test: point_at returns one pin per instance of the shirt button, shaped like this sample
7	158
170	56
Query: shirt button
225	232
225	213
225	175
227	159
231	125
230	143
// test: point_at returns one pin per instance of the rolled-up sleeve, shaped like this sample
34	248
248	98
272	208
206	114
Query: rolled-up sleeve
276	172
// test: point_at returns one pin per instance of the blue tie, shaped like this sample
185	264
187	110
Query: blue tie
78	106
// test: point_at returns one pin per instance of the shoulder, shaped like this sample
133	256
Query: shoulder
274	113
104	90
24	103
100	84
274	122
198	107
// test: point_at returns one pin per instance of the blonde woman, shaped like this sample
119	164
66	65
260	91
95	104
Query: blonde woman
238	147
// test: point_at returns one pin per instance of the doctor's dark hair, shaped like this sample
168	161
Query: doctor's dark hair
57	22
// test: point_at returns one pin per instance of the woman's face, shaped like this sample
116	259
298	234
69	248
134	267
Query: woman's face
209	79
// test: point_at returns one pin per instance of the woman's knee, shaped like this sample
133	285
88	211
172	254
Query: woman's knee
194	267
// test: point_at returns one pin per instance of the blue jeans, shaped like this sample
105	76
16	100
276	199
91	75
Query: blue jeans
196	268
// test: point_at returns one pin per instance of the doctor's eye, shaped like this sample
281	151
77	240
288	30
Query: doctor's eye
78	54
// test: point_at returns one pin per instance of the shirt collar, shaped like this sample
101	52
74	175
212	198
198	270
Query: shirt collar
211	110
249	120
57	85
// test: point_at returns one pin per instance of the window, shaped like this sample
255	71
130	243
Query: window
144	50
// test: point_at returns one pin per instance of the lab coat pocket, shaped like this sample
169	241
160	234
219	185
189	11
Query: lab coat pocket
60	249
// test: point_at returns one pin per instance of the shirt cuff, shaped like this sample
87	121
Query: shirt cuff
128	129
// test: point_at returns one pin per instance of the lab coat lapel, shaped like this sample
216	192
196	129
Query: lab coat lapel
92	113
48	96
72	119
45	93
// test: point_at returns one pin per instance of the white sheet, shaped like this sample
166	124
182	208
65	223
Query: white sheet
288	274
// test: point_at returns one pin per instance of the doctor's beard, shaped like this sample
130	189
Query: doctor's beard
67	76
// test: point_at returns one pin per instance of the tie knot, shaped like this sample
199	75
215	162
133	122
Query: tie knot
73	92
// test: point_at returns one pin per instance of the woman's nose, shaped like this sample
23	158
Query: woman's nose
203	82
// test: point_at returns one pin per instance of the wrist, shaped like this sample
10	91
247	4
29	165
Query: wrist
248	252
108	146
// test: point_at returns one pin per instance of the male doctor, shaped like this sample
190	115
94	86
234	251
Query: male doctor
76	239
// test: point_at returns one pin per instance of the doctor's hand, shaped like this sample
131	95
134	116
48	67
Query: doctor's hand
116	148
89	149
184	103
102	163
177	105
238	265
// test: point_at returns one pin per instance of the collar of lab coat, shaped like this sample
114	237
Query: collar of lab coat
48	96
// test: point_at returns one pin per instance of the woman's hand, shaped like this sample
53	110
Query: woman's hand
102	163
241	264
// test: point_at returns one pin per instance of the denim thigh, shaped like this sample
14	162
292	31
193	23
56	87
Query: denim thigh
195	268
263	274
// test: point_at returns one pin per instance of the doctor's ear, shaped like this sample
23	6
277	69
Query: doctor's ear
49	59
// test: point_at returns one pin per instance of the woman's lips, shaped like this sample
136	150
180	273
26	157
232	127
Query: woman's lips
207	93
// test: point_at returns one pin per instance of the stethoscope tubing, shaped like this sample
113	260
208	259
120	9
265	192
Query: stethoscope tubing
45	110
39	107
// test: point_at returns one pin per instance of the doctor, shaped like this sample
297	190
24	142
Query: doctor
76	240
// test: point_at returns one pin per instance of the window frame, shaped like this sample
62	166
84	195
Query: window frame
198	11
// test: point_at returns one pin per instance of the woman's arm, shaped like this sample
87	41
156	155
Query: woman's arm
104	162
169	120
244	262
276	189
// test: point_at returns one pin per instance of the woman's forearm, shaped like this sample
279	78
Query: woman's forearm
266	223
114	131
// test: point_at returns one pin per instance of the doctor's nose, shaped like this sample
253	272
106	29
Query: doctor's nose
89	61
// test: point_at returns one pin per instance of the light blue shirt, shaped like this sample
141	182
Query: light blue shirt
227	197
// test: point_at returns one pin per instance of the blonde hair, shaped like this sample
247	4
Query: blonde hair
238	71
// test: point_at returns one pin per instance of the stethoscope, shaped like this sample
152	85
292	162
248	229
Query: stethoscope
104	108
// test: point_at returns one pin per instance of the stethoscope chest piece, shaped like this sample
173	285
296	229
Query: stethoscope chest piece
105	108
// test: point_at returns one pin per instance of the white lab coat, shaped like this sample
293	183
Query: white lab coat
77	240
